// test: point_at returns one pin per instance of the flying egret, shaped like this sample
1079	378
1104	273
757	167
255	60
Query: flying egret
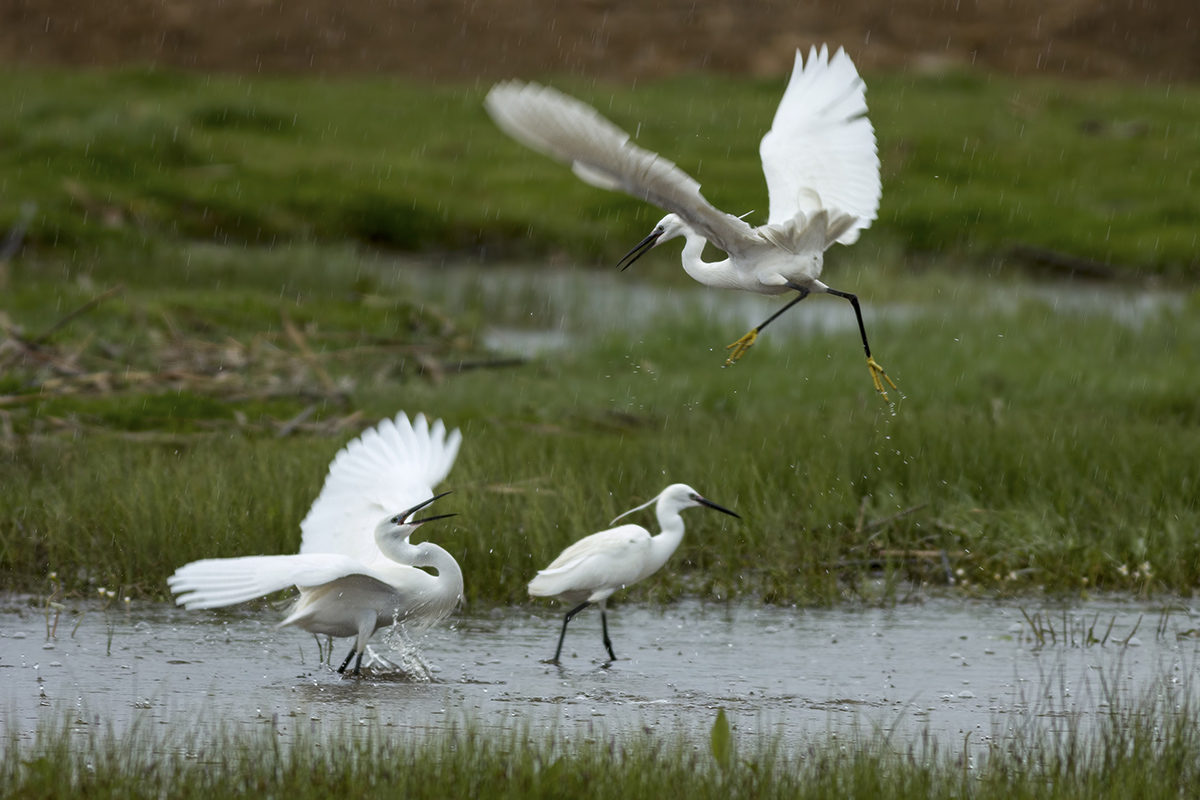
819	159
590	570
356	570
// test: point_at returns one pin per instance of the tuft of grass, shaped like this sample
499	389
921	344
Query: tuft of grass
973	164
1147	750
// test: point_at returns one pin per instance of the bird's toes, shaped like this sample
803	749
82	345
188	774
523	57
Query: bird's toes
878	372
740	347
878	376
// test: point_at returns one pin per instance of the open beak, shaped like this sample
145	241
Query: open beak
715	507
640	249
423	520
403	517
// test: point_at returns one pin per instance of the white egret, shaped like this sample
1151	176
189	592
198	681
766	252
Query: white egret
819	159
356	570
596	566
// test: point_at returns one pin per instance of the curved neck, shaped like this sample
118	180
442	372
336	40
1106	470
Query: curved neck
712	273
667	541
426	554
449	574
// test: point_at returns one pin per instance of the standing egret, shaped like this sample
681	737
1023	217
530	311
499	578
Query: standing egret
819	159
356	570
590	570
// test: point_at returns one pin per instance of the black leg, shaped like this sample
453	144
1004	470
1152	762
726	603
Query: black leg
346	663
862	329
803	294
358	663
877	373
604	627
563	635
743	344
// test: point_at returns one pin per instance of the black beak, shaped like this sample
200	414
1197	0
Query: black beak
640	249
403	515
423	520
715	507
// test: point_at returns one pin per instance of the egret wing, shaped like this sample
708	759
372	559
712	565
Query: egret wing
820	151
391	467
611	558
601	154
218	582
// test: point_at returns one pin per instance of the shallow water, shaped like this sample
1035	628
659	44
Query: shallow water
535	310
943	667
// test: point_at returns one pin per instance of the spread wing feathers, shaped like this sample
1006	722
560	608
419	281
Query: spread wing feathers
601	154
391	467
607	560
808	233
820	151
217	582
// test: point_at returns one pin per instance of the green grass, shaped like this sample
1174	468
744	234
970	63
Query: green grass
1149	751
972	165
1046	451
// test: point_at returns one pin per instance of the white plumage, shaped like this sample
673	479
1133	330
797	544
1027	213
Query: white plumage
596	566
819	159
391	466
356	570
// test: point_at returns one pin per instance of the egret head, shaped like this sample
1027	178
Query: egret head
676	498
667	228
681	496
403	524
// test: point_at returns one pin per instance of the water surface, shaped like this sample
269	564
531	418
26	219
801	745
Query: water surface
944	667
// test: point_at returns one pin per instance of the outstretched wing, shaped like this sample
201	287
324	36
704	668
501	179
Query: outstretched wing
601	154
217	582
820	151
391	467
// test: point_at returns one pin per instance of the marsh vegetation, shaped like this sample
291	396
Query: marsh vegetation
219	287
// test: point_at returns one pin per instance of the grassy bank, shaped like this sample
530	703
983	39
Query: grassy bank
1037	450
972	165
1148	752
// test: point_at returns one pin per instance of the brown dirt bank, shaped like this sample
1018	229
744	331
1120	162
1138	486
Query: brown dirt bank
454	40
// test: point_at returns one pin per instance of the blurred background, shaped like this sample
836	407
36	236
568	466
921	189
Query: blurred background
463	40
1043	134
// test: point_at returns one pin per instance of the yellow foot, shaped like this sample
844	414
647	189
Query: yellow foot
876	374
740	347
